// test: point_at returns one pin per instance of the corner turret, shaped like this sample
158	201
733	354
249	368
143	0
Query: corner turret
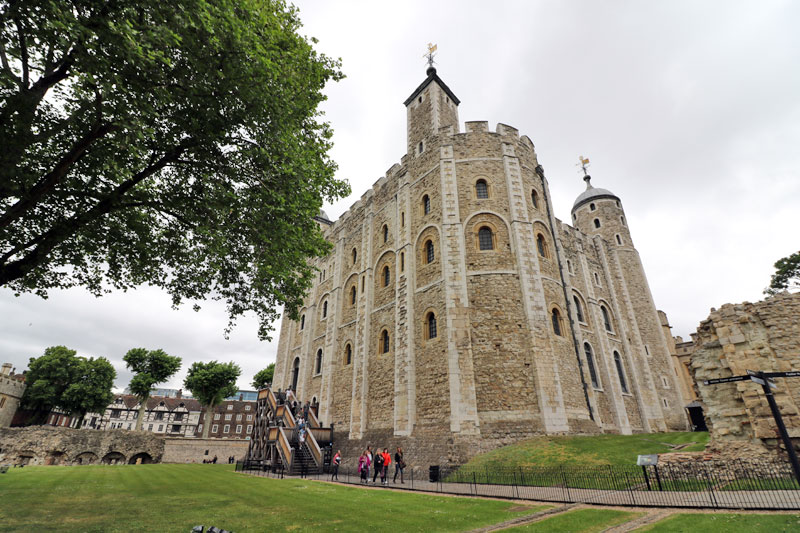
599	212
430	107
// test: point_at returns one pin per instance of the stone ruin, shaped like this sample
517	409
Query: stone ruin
763	336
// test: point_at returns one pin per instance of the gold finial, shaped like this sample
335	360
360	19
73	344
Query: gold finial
429	56
584	162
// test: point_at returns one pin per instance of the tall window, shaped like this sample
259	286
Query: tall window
540	245
319	361
618	362
578	308
302	322
535	199
325	309
485	240
481	189
385	233
426	204
384	341
590	361
352	296
355	256
431	325
348	354
403	219
429	252
402	261
606	318
386	276
556	317
597	223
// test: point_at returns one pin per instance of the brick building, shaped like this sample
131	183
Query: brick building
457	313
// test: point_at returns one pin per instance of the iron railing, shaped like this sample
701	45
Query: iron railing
731	485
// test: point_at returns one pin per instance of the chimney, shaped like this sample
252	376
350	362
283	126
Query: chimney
179	394
5	370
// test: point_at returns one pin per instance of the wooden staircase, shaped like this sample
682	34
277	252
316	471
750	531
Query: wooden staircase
275	441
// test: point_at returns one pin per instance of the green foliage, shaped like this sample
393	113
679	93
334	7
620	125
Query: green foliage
786	276
61	379
212	382
149	368
589	450
263	377
172	497
177	144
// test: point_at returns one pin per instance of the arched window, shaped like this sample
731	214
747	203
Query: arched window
355	256
597	223
384	341
348	354
402	261
421	147
535	199
403	219
385	233
386	276
429	252
541	245
592	207
578	308
556	317
481	190
619	240
325	309
431	323
622	219
353	295
302	322
485	239
590	362
606	319
318	366
618	362
426	204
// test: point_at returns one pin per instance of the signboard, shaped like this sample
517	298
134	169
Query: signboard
725	380
792	374
647	460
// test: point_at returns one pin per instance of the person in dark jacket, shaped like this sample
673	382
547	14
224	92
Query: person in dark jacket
377	464
399	464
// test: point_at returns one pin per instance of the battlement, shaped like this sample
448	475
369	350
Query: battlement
11	386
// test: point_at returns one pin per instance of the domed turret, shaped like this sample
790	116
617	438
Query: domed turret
592	193
599	212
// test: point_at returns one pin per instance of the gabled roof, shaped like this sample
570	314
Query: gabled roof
432	76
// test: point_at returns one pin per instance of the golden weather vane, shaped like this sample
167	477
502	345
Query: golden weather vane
429	56
584	162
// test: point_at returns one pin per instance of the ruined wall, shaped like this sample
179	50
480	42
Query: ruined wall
196	450
48	445
749	336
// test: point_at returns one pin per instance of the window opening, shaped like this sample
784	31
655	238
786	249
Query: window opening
429	252
386	276
597	223
606	318
618	362
348	354
431	325
385	233
481	190
535	199
619	241
578	309
402	261
325	309
590	363
319	361
355	256
556	316
540	245
353	296
592	207
385	341
485	240
426	204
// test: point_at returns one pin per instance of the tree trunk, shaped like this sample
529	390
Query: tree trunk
209	418
142	413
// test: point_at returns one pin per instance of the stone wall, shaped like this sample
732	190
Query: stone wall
749	336
196	450
11	389
47	445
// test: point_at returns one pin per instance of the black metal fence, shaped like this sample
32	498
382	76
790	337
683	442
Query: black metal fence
732	485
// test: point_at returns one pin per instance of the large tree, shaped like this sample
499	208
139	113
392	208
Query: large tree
61	379
149	368
263	377
786	276
210	383
177	144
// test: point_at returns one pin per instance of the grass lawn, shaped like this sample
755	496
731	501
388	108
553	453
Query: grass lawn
173	498
749	523
580	521
593	450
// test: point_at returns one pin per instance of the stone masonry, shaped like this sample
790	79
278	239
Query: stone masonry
456	313
12	386
749	336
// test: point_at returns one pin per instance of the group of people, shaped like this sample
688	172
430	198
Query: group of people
379	463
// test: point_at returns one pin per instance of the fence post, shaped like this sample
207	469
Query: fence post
658	478
566	485
646	478
630	487
514	487
475	482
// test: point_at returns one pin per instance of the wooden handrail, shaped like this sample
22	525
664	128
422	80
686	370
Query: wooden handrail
322	434
285	448
313	421
316	452
272	434
273	403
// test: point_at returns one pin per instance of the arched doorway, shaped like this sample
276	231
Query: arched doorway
85	458
295	373
145	459
113	458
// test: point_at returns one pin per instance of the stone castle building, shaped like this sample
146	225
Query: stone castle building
457	313
12	386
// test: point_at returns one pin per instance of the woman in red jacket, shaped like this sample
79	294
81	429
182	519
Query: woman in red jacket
387	460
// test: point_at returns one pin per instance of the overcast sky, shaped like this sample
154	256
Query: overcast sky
688	111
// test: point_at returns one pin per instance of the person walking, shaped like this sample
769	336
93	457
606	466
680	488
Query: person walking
363	467
387	460
337	459
399	464
377	461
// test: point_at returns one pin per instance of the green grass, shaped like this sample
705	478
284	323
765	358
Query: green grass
742	523
580	521
167	498
592	450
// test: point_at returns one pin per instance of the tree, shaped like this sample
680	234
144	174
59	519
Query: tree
60	379
91	391
786	276
210	383
149	368
263	378
177	144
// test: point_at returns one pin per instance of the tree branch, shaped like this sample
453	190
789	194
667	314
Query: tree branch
23	52
51	179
